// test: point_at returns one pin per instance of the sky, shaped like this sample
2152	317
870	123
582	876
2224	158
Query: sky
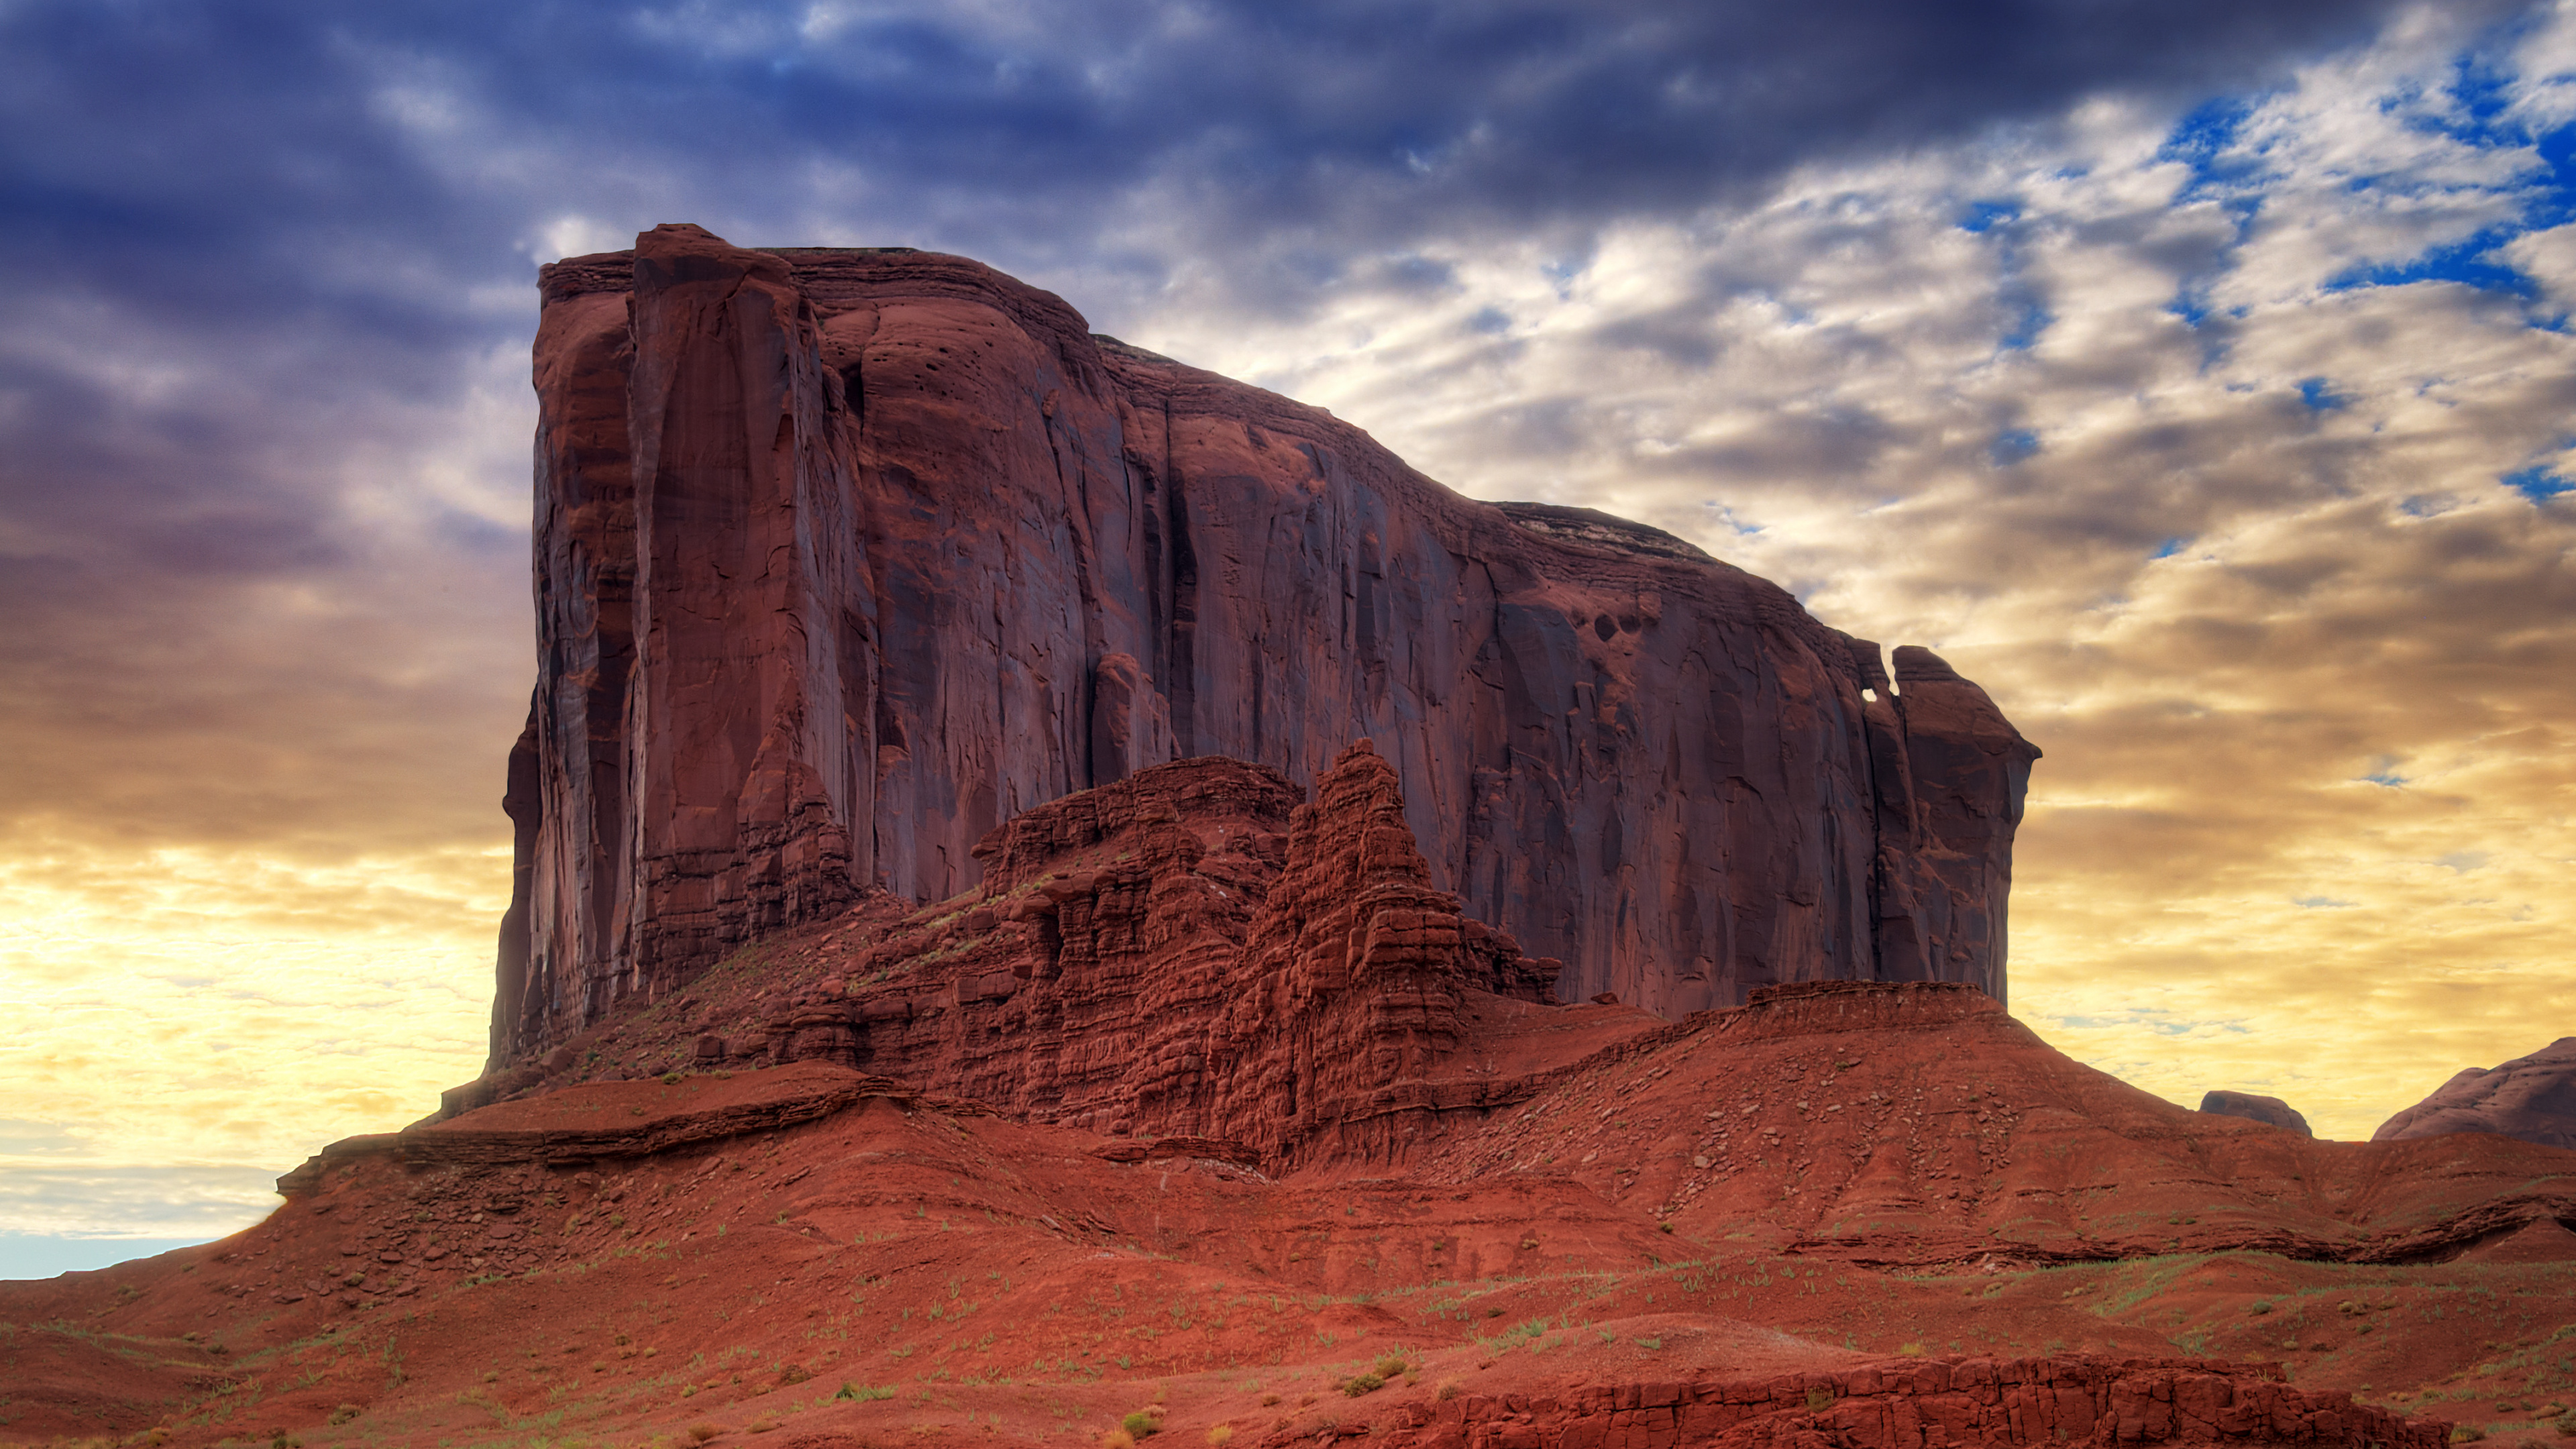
2196	376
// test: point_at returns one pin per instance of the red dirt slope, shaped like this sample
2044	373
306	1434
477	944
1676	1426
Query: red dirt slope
1008	1281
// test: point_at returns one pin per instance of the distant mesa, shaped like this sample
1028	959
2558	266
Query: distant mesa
2532	1098
2270	1111
844	558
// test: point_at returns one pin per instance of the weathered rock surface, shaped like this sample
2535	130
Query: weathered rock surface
1189	951
844	558
2083	1401
2270	1111
2532	1098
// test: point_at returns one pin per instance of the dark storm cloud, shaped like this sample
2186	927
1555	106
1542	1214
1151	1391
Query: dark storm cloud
201	156
320	180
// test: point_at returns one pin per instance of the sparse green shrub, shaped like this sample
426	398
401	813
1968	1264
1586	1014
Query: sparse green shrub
1362	1384
1141	1424
701	1432
345	1413
1448	1390
1218	1435
1390	1366
672	1079
865	1393
2466	1433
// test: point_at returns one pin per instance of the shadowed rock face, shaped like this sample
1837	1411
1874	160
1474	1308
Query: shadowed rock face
2533	1098
844	558
2270	1111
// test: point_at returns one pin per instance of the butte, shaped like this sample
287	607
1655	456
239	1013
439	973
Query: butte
1062	897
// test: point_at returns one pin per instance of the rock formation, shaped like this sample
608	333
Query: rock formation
2533	1098
2011	1402
1192	956
1189	951
844	558
2270	1111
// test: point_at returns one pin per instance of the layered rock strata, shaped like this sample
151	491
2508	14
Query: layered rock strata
1995	1402
1191	951
844	558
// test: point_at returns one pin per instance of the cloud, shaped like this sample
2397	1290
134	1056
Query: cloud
123	1204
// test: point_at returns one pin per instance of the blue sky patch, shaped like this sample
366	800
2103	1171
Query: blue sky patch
2201	141
2170	547
2012	446
1726	518
2025	326
2314	392
2538	482
2471	261
1985	216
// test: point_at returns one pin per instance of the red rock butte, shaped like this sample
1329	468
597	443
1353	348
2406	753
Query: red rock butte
844	557
984	971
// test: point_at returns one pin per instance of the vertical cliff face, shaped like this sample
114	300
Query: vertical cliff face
845	557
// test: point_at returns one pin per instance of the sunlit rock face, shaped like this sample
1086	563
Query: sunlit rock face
845	557
2533	1098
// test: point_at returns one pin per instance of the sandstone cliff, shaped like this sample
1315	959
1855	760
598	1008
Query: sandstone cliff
843	558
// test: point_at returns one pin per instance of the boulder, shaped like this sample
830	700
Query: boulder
2270	1111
